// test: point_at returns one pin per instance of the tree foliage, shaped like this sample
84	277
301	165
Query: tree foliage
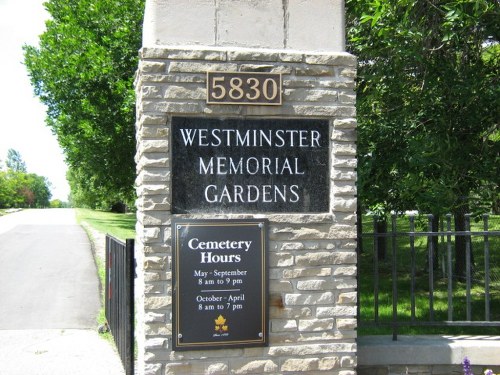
83	71
21	189
428	103
14	161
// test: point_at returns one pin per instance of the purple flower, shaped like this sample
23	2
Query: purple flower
489	372
467	368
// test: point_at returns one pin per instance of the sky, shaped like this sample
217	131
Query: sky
22	116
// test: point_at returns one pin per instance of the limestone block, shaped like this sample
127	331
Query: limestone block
150	119
152	369
314	284
281	286
305	95
345	257
311	349
334	59
314	259
155	263
252	55
244	366
346	311
283	325
300	365
250	23
289	312
183	92
151	92
154	175
344	205
344	134
346	323
152	189
329	363
344	149
349	123
154	131
158	329
194	53
309	299
156	303
343	175
344	271
154	317
306	272
281	260
150	234
171	22
155	145
348	297
156	343
152	66
319	27
315	325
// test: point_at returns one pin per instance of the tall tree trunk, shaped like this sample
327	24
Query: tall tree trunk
460	243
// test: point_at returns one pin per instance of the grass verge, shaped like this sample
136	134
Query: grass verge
121	226
97	224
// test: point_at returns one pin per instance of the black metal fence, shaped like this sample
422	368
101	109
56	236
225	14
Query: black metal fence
119	304
420	274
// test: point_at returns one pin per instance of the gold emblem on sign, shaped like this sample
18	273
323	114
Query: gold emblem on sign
220	325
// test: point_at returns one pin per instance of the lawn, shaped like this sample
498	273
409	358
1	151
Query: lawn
121	226
422	282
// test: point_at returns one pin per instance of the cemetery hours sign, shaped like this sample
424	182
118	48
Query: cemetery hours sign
249	165
220	283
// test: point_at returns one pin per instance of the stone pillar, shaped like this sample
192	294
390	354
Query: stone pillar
312	255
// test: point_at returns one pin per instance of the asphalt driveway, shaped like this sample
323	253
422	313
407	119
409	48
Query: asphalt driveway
49	293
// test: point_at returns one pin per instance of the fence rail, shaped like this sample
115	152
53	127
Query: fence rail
119	304
436	243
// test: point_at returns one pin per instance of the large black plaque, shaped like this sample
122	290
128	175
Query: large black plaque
248	165
220	283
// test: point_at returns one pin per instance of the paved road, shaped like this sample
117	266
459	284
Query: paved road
49	295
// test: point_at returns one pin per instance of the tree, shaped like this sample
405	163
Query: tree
15	161
83	70
428	105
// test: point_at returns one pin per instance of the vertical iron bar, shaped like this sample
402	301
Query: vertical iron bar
450	272
129	245
413	271
375	268
359	231
468	266
394	282
441	243
486	269
430	244
106	281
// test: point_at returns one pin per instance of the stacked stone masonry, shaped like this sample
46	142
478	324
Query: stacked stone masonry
312	289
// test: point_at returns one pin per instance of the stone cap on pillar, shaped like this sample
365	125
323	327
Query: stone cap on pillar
304	25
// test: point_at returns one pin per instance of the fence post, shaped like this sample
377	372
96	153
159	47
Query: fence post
486	269
394	282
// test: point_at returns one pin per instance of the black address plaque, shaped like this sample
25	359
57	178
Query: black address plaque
220	283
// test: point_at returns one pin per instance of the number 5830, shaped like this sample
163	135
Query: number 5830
243	88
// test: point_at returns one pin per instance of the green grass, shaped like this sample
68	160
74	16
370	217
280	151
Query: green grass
366	284
121	226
